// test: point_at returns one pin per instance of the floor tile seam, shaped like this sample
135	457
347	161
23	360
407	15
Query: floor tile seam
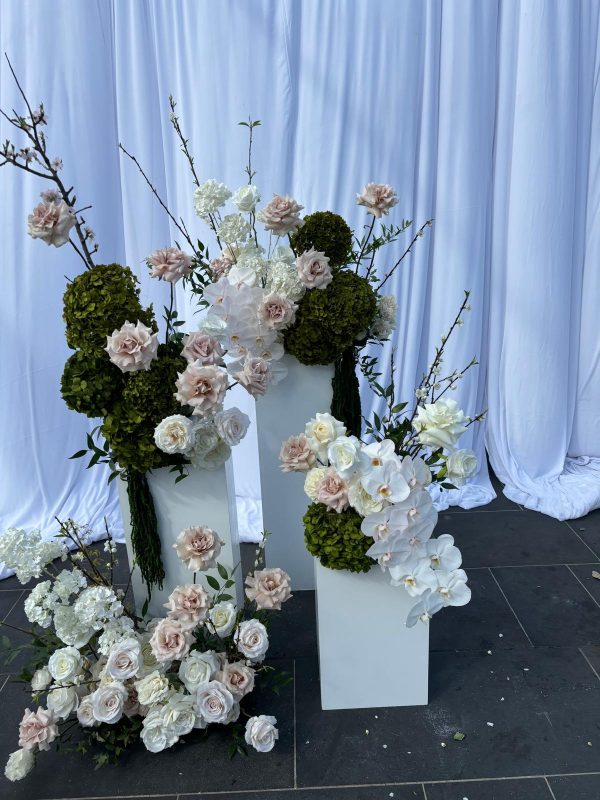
589	663
12	608
552	795
583	586
535	566
581	539
295	748
511	608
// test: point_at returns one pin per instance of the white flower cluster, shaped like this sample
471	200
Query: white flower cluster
385	320
27	553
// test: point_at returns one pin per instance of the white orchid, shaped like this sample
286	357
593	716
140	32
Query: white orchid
428	605
443	554
415	575
387	483
452	587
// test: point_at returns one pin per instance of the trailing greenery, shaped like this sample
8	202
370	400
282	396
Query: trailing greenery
99	301
145	540
336	539
90	383
345	402
329	320
326	232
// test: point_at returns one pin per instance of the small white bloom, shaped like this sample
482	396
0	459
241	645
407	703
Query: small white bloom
41	679
246	198
261	733
452	587
428	605
222	618
19	764
209	197
443	553
65	664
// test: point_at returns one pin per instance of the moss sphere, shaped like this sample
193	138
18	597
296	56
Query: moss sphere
326	232
146	399
90	383
99	301
330	320
336	539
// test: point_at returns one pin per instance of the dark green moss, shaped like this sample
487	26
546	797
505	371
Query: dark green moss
90	383
326	232
336	539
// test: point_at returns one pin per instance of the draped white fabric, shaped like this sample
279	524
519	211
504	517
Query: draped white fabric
483	115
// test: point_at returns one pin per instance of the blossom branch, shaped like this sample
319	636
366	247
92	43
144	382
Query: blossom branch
183	141
418	235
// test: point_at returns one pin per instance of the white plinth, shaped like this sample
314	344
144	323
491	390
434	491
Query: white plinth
205	497
283	412
368	658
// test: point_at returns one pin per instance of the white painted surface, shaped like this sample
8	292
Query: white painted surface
283	412
368	658
205	497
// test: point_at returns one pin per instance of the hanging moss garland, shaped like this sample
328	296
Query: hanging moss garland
326	232
345	402
90	383
329	320
145	540
336	539
99	301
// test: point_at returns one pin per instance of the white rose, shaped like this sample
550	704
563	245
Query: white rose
283	253
460	465
63	701
65	664
344	455
124	660
313	476
321	431
246	198
155	735
360	500
232	425
223	617
108	701
252	640
85	712
198	668
206	437
261	733
19	764
215	458
41	679
179	714
214	702
175	434
440	424
152	689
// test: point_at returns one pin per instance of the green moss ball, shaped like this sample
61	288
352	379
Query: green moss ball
91	383
99	301
329	320
326	232
336	539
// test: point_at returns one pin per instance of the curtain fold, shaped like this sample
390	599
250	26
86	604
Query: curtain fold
484	116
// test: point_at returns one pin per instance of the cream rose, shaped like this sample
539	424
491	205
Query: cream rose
332	491
155	735
251	639
215	458
238	678
313	269
440	424
269	588
51	222
295	454
204	348
124	659
170	264
321	431
132	347
214	702
175	434
223	618
65	664
37	728
360	500
277	311
198	668
281	215
246	198
460	465
63	701
261	733
108	701
152	689
170	641
198	548
188	605
313	477
85	712
202	388
19	764
232	425
179	714
377	198
41	679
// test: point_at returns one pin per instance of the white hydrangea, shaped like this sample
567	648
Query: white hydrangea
284	252
385	321
96	606
39	605
69	582
115	631
283	279
69	627
27	554
234	228
209	197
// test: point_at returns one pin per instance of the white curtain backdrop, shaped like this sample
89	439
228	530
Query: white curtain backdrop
483	115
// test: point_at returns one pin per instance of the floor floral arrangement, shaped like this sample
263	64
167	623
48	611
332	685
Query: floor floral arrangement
121	679
369	498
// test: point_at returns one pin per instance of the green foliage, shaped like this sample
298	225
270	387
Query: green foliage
326	232
90	383
146	399
100	300
336	539
330	320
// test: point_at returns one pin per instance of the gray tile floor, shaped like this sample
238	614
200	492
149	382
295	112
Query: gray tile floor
517	671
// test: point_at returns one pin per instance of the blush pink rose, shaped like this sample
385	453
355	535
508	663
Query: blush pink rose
269	588
170	641
313	269
238	678
202	347
188	605
51	222
281	215
203	388
170	264
198	548
332	491
133	347
377	198
277	311
255	375
295	454
220	266
37	728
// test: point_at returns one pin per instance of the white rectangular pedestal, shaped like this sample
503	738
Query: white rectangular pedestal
200	499
283	412
368	658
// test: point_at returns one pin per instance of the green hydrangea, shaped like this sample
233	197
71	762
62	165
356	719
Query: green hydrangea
146	399
326	232
90	383
329	320
336	539
99	301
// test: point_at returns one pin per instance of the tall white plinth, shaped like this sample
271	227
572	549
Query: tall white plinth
368	658
205	497
282	412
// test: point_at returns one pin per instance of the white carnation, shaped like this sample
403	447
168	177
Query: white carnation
209	197
313	477
19	764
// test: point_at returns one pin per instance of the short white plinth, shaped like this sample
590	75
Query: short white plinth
368	658
283	412
205	497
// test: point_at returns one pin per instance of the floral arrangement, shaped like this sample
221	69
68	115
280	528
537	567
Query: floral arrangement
120	679
369	500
